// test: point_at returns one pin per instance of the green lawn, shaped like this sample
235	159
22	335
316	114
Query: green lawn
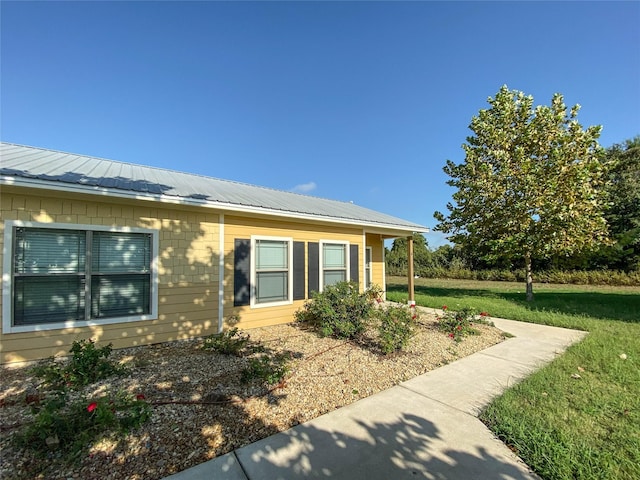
562	427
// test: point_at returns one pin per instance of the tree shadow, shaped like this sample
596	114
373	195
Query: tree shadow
606	306
189	274
408	447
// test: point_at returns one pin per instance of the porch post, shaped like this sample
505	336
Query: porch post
410	274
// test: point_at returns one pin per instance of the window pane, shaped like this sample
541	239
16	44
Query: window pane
120	295
116	252
334	255
332	277
271	254
48	299
41	250
272	286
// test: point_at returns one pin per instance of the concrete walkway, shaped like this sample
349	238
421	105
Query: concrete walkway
426	427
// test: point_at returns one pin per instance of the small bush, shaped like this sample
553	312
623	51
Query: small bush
270	369
69	426
339	311
88	364
374	293
396	326
231	342
458	324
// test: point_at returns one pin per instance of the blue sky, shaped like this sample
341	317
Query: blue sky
354	101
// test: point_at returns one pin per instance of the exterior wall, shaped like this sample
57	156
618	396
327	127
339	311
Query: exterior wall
187	270
376	243
188	266
239	227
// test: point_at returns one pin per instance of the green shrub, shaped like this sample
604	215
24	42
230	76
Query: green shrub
396	326
70	426
458	324
88	364
374	293
339	311
270	369
231	342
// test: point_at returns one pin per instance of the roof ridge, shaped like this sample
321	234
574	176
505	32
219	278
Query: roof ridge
169	170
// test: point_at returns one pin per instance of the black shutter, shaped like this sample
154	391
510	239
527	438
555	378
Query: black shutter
354	265
298	270
314	267
241	272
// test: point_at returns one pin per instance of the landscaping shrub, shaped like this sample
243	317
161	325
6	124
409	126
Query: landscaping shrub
460	324
396	326
231	342
69	426
267	368
339	311
88	364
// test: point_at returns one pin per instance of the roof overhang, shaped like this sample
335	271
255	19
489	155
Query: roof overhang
386	230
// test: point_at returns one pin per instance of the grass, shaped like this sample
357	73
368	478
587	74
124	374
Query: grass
562	427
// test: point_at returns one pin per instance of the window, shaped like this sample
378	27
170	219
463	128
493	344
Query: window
272	272
68	275
334	263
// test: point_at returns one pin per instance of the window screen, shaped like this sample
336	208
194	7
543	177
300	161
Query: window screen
334	263
272	271
53	282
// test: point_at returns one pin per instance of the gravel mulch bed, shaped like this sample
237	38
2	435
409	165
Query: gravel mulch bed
202	410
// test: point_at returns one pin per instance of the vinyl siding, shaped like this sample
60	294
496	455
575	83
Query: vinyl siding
188	267
187	272
377	247
237	227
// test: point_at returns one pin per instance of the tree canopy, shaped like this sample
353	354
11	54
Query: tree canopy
623	213
531	184
396	258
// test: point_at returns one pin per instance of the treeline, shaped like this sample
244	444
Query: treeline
615	264
449	262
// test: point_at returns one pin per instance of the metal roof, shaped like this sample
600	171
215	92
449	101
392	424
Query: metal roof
49	169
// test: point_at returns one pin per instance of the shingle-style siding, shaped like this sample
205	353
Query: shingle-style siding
377	268
187	271
237	227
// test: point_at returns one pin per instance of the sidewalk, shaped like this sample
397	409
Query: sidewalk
426	427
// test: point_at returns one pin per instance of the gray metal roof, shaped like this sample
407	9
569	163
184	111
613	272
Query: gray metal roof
23	165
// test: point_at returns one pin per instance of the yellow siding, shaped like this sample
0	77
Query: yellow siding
377	260
188	267
245	227
187	271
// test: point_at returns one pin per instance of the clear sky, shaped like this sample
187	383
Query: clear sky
353	101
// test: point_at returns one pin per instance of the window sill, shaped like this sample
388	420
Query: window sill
72	324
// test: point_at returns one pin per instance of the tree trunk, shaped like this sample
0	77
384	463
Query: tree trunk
527	263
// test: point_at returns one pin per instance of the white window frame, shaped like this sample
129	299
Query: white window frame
347	251
253	301
7	277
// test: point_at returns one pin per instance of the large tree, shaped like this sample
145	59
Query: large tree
623	214
531	184
396	258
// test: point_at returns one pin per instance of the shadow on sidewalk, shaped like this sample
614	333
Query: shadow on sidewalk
409	448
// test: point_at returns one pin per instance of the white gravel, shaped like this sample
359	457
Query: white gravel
201	409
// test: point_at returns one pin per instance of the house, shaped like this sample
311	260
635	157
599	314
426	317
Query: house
136	255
